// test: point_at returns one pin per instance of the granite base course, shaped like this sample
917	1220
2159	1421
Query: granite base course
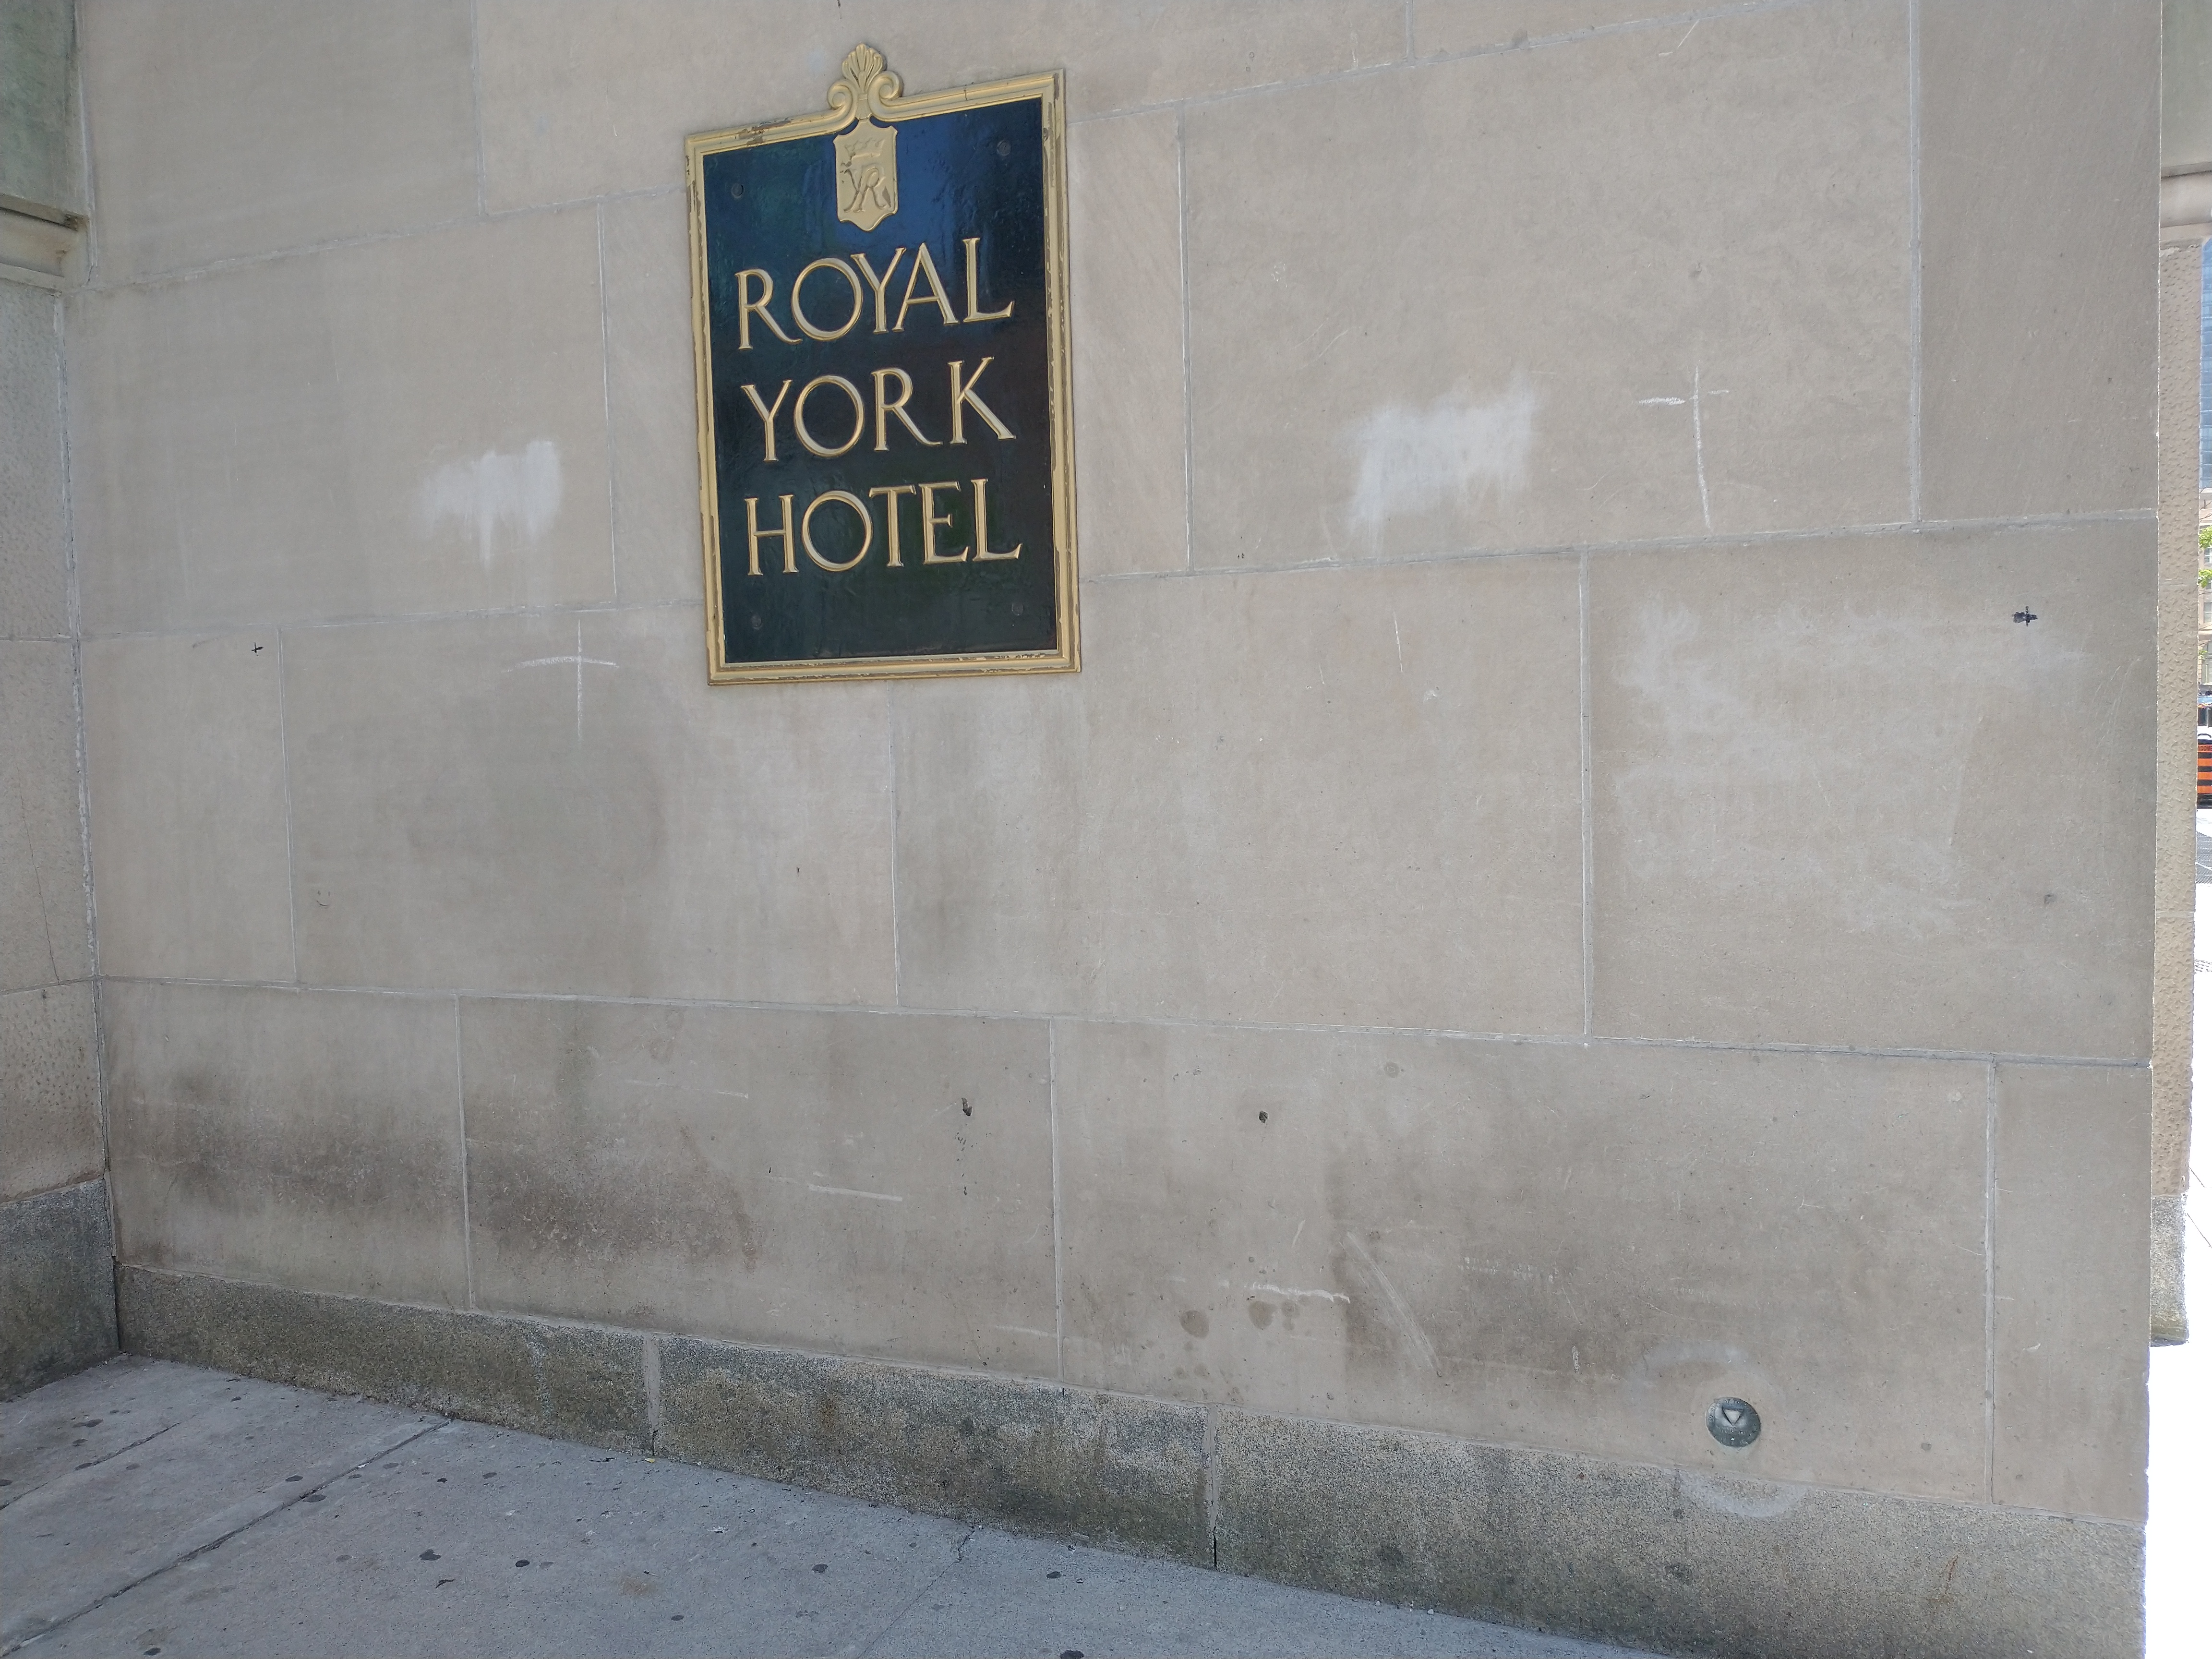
56	1286
1688	1563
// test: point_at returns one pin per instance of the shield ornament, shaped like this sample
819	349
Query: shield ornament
868	174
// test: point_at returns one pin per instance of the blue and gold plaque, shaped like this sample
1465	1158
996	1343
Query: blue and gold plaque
879	308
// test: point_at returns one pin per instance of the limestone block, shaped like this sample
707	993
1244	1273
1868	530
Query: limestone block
234	128
1125	189
2039	215
651	409
560	803
44	153
1614	289
307	1139
589	100
1442	27
1839	795
2073	1314
184	748
33	512
1338	796
46	934
50	1133
864	1183
1543	1243
401	426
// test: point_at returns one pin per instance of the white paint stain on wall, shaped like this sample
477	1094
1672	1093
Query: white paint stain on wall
1457	450
496	494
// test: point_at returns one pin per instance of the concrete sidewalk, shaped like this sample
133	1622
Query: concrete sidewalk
153	1509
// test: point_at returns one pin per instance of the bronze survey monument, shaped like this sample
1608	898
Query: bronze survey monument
880	314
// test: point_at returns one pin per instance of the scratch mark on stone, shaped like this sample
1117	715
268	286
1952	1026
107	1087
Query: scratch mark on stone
1401	1314
1259	1285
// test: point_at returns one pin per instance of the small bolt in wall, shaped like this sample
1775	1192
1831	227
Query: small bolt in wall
1733	1422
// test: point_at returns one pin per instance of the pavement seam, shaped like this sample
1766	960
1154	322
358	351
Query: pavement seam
80	1467
914	1601
386	1446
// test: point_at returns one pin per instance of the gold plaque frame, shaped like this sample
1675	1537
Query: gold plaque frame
880	97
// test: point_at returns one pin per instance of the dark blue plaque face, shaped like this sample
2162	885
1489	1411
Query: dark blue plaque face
882	340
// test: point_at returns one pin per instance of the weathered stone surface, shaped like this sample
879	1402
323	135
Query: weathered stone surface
190	840
645	243
56	1286
1839	795
50	1127
1340	797
591	99
562	803
1689	1562
1643	284
2072	1406
34	526
1536	1242
2039	380
2169	1306
42	158
313	437
229	129
1125	248
1107	1469
310	1138
1441	26
45	934
574	1382
868	1183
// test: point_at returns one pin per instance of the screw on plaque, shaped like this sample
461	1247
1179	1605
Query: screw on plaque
1733	1422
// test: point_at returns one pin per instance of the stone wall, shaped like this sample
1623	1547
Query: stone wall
1569	884
56	1262
57	1291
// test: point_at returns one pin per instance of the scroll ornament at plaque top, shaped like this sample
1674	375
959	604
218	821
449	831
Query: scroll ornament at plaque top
867	156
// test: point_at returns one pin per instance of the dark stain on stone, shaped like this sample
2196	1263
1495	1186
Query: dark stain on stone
1195	1321
1262	1314
568	1186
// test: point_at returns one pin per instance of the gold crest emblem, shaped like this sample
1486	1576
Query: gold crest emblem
867	156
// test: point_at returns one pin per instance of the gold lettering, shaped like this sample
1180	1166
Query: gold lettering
867	527
982	534
891	492
879	283
923	265
966	394
747	306
755	536
930	519
799	317
860	414
895	406
768	415
974	315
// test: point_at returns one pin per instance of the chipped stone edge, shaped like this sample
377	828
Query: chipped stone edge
56	1286
2169	1305
1590	1546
